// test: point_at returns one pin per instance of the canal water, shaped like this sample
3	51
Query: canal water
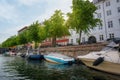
17	68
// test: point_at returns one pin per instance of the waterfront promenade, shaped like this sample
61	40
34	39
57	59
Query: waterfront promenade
75	50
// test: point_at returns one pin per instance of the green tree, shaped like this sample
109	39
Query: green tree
47	26
33	33
14	41
0	45
10	42
23	38
42	33
82	17
55	26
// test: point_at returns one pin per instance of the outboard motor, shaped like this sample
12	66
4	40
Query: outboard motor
98	61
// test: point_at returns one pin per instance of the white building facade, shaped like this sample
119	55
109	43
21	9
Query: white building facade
109	12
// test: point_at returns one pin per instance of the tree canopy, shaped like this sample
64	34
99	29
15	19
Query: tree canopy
33	32
12	41
55	26
23	38
82	17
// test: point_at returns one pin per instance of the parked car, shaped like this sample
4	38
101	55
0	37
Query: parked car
116	40
69	44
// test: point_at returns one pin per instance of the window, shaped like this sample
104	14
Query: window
118	9
111	35
108	12
94	29
119	21
117	0
110	24
100	27
98	7
77	39
71	32
99	15
101	37
71	41
107	3
83	39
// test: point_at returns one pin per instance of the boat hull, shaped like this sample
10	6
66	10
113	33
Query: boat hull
35	57
57	60
9	54
105	66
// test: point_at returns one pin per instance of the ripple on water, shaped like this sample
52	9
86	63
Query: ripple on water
15	68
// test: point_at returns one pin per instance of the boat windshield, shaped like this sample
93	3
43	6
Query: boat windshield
111	46
33	51
59	55
108	48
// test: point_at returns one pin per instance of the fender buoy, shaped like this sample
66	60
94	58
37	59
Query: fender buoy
98	61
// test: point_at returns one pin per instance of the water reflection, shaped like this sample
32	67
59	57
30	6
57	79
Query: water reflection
6	71
16	68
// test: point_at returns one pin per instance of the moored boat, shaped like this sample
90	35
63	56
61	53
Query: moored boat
59	58
107	60
9	53
6	54
34	55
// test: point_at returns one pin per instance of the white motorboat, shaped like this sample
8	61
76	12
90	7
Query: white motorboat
59	58
107	60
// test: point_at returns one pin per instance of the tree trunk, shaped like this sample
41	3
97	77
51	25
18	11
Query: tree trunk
54	41
36	45
80	33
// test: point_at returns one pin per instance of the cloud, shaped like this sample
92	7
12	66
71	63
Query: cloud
29	2
3	37
53	5
15	14
8	33
7	11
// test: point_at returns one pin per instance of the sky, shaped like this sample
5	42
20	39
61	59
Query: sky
15	14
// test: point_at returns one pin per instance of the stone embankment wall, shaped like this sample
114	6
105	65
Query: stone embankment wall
75	51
